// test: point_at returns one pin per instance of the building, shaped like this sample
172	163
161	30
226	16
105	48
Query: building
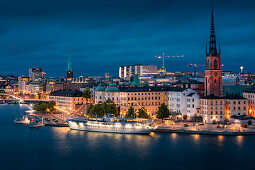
69	73
183	101
236	106
141	70
67	100
212	109
249	93
213	77
36	74
133	96
22	82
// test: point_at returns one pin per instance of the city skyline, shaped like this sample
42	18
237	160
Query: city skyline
100	41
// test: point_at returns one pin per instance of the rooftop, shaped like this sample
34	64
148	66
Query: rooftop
150	89
67	93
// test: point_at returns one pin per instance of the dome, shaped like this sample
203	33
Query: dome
112	88
100	87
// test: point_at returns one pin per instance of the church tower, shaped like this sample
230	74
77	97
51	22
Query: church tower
69	73
213	78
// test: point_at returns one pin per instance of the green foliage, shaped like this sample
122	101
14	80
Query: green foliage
102	109
86	93
142	113
163	111
51	106
249	122
185	117
42	107
130	113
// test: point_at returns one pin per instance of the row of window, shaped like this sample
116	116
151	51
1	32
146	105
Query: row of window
142	104
146	93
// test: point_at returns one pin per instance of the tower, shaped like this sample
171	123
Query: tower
69	73
213	78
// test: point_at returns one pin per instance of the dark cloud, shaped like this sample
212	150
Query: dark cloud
103	35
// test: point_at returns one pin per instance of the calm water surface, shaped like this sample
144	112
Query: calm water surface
60	148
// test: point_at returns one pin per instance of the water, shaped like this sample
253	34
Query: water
61	148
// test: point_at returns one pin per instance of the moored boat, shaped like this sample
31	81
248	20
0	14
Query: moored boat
110	125
23	120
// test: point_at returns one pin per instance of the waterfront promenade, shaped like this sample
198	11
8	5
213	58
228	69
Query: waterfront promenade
206	129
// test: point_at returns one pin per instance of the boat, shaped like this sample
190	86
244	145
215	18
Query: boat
23	120
36	124
111	125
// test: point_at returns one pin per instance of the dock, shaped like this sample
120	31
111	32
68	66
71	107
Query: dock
205	132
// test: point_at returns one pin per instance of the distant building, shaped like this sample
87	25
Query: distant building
141	70
22	82
67	100
36	74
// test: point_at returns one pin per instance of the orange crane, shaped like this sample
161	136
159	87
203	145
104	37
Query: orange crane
163	61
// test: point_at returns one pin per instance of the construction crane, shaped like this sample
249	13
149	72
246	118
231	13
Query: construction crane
198	65
195	67
162	70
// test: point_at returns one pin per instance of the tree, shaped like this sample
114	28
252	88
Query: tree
88	110
40	107
51	106
163	111
185	117
100	109
249	122
86	93
130	113
142	113
111	107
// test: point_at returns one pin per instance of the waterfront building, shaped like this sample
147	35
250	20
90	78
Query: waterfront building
236	106
36	74
183	101
249	93
130	70
67	100
137	97
212	109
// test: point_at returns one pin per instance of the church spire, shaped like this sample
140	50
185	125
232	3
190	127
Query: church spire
212	45
69	66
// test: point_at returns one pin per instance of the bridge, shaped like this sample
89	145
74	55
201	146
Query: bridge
20	100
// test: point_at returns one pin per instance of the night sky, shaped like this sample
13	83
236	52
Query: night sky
101	35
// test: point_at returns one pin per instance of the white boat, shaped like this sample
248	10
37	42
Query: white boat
111	125
23	120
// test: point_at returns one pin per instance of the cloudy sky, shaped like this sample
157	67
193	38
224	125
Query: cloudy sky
101	35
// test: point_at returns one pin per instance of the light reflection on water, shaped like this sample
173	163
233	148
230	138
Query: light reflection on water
62	148
196	138
239	140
